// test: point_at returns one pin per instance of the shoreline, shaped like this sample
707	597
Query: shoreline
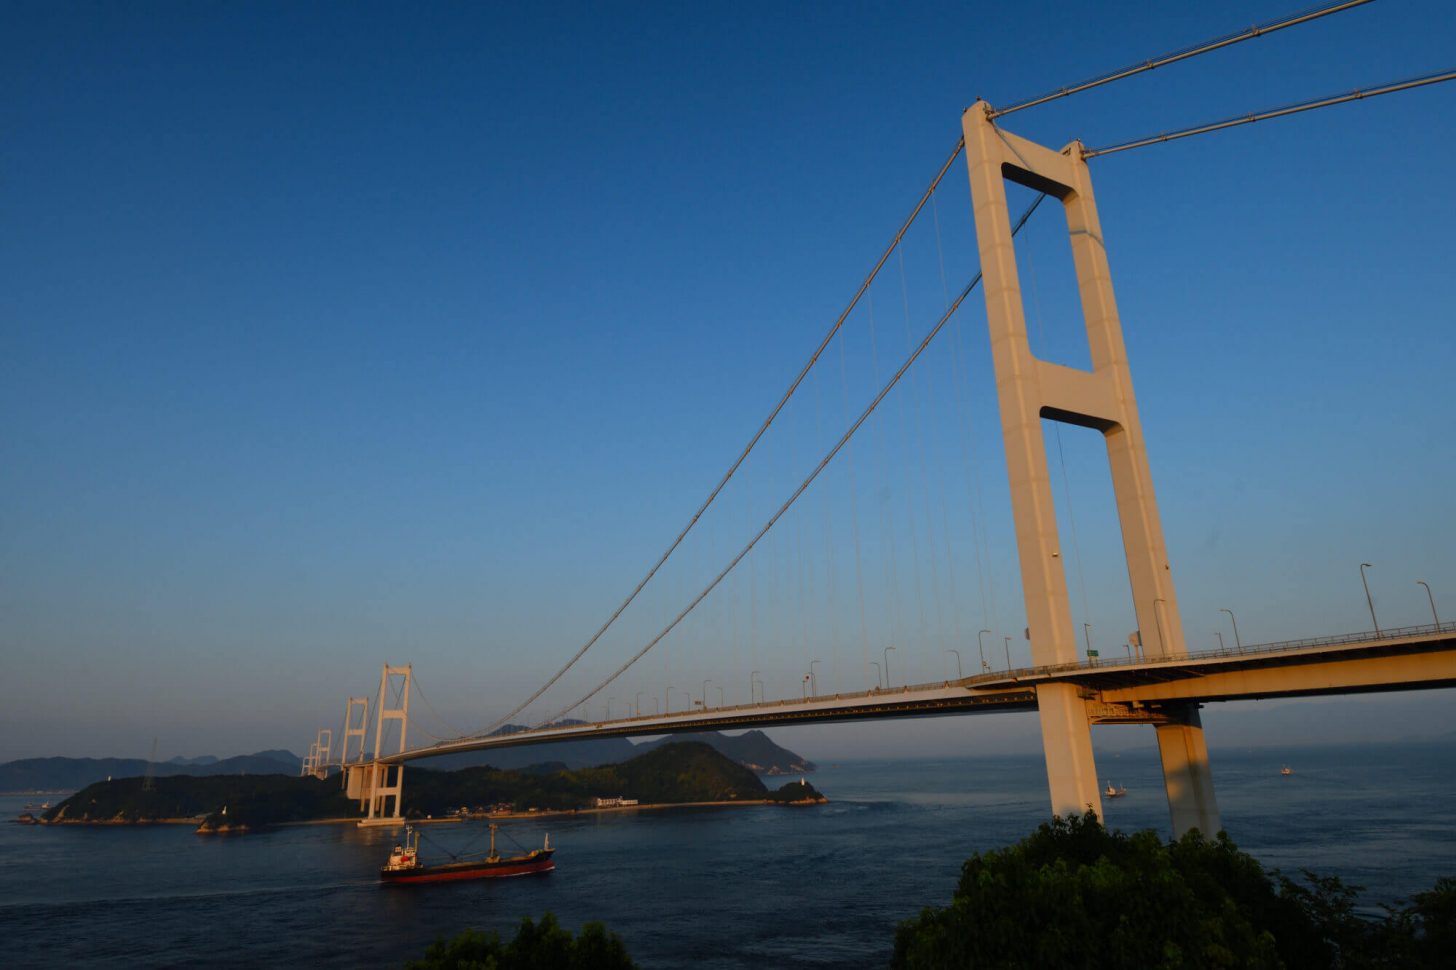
569	812
651	806
444	820
113	822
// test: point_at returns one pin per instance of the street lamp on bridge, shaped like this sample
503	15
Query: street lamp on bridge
960	675
1434	618
887	665
752	679
1220	639
980	644
639	703
721	703
609	708
705	693
1238	643
877	672
1368	601
1008	652
813	681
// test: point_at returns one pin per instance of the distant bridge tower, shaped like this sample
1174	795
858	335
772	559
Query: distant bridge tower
386	782
310	760
354	728
323	749
1028	390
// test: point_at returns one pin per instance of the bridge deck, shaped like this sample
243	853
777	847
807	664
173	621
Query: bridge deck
916	700
1327	665
1405	658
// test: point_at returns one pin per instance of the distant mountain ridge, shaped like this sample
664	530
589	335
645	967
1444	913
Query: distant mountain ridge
752	749
70	774
569	754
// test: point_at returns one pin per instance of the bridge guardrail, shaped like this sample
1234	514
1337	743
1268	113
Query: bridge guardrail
883	692
1257	649
1253	649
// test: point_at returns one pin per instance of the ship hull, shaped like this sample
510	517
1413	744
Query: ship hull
538	862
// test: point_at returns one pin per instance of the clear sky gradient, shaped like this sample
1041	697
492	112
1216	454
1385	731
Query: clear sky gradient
333	334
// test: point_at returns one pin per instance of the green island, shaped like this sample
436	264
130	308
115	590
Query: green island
674	774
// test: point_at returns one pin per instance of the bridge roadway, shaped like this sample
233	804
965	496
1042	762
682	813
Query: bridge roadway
1120	690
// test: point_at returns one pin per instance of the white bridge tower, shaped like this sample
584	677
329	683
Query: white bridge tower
379	786
1030	390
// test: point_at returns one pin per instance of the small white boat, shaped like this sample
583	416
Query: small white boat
1286	770
1114	792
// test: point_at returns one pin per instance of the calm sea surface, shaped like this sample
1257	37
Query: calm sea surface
732	887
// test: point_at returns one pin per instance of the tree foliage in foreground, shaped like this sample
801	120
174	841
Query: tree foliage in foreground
537	946
1075	895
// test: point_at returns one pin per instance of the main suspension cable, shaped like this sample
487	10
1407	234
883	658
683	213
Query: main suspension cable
1356	95
1173	57
799	379
803	486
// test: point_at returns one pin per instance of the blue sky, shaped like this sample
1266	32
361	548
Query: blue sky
336	334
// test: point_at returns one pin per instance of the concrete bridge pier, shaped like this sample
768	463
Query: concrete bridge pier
1187	775
384	793
1066	739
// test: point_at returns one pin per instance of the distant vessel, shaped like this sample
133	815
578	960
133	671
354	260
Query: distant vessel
404	864
1286	770
1112	792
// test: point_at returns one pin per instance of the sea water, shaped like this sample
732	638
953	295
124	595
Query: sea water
735	887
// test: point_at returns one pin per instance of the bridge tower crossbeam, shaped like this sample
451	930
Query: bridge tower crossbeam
1029	390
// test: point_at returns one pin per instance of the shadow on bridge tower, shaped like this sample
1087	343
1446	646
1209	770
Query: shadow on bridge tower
1030	390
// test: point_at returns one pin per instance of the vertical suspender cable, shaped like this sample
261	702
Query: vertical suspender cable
955	613
809	480
854	523
908	401
743	455
1057	431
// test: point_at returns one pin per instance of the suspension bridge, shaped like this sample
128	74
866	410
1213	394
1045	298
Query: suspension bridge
1160	682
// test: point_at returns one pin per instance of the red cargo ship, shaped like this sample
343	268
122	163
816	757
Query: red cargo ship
404	864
